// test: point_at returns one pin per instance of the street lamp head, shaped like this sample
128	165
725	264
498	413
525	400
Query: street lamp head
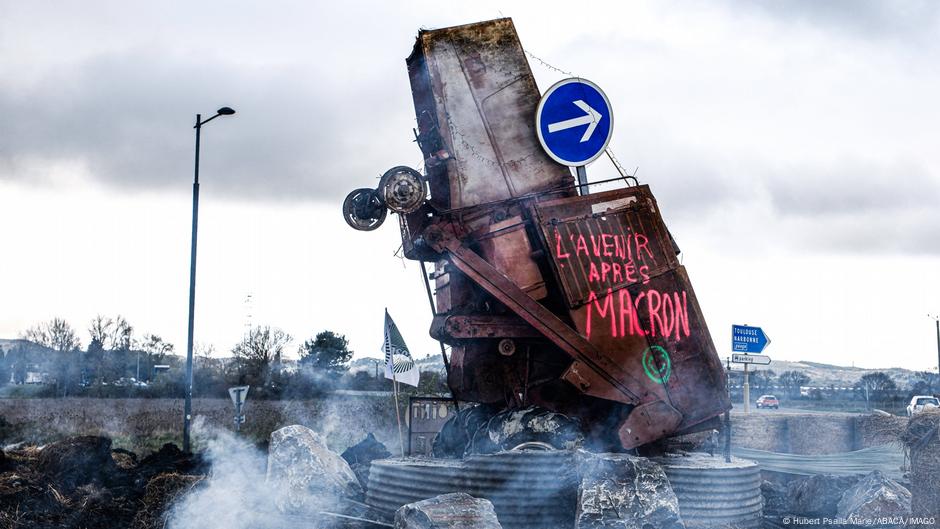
225	111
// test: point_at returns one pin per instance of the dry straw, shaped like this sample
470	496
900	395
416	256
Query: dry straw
922	439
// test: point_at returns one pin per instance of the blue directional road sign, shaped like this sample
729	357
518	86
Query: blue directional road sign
746	339
574	122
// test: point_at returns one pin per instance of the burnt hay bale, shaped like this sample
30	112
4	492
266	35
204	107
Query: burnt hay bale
922	439
159	496
77	460
170	459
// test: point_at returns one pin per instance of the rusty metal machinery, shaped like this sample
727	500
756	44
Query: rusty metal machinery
577	303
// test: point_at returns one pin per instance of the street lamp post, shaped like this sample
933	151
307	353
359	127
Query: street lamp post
936	319
188	406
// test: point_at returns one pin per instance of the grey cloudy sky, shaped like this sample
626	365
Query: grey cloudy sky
791	145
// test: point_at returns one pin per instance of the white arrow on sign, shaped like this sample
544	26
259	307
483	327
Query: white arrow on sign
590	118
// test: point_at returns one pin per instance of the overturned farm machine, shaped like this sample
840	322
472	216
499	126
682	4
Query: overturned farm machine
547	294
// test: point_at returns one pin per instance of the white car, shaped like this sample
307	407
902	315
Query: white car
920	403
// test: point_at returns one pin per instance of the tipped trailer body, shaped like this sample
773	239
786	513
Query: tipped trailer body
546	294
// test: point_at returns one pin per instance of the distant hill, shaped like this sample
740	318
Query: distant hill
823	375
7	345
425	363
826	375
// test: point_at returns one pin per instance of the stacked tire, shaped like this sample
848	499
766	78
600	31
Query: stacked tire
529	489
713	493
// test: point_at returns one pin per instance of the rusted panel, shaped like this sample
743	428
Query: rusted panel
478	373
475	100
506	246
663	321
542	319
455	327
649	316
653	420
605	241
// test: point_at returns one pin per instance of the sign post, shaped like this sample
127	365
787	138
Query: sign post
238	394
728	416
746	339
574	122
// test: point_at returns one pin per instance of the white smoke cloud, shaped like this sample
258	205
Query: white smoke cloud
235	495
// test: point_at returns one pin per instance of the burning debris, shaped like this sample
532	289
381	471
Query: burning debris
79	482
77	461
161	493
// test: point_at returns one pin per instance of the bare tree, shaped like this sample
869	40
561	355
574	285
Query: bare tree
876	385
122	335
114	334
261	349
792	381
203	355
763	378
154	346
56	334
100	330
925	383
155	351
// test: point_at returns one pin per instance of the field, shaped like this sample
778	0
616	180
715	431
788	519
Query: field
142	425
145	424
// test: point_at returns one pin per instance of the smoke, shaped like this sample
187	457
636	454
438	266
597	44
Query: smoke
234	495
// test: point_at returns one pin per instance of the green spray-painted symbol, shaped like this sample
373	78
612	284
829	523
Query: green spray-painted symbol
657	365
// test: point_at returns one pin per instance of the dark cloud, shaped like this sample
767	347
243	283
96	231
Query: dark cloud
852	187
689	185
858	207
299	133
913	232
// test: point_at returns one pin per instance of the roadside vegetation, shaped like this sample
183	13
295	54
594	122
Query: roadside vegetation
49	360
875	390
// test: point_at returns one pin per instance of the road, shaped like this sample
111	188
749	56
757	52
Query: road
786	410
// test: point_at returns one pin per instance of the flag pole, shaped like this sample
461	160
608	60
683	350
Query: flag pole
390	359
401	439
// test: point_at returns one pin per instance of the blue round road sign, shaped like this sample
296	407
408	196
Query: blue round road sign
574	122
